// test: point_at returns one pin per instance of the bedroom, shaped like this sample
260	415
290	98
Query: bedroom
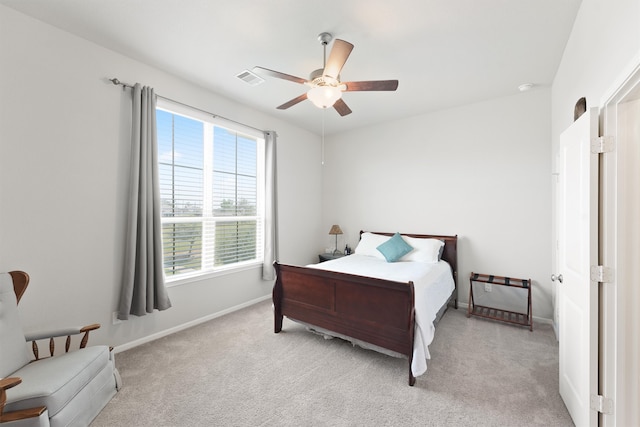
48	75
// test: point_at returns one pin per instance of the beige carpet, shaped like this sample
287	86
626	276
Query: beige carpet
234	371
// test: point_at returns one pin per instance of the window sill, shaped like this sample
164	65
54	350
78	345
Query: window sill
186	279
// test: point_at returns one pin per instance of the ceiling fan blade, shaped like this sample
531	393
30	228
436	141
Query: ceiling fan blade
338	56
342	108
371	85
279	75
293	102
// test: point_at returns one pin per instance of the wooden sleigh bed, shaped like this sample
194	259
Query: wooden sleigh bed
375	311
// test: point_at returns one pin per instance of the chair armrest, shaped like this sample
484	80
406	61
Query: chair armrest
68	332
43	335
6	384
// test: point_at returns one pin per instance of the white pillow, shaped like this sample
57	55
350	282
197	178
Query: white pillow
368	244
424	250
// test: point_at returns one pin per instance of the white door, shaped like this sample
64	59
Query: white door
577	252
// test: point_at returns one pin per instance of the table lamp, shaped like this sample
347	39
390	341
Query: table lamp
335	229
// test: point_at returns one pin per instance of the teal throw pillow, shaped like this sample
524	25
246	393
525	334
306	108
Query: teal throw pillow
394	248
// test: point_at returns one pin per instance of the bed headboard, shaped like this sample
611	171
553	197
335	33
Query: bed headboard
450	253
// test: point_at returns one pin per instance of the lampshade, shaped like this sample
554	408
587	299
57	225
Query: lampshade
324	96
335	229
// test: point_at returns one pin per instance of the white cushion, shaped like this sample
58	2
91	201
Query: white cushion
368	244
55	381
424	250
13	346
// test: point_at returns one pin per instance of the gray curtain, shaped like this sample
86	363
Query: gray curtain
271	208
143	288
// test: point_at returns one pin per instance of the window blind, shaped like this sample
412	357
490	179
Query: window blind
211	180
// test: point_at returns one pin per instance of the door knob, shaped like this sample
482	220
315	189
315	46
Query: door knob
558	278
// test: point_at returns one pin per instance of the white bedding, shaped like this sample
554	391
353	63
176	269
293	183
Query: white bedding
433	284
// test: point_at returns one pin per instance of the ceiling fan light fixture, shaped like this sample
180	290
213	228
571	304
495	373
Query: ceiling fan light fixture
326	87
324	96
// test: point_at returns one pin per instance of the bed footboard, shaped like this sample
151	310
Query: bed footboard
379	312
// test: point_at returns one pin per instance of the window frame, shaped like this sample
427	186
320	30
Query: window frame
208	196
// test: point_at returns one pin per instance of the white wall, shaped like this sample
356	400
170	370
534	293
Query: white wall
480	171
603	48
64	160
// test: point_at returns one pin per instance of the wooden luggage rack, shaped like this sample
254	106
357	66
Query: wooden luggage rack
523	319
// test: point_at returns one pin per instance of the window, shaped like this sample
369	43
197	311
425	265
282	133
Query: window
211	181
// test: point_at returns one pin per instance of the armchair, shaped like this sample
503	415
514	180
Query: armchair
58	390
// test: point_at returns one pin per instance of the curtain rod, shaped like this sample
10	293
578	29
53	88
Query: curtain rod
117	82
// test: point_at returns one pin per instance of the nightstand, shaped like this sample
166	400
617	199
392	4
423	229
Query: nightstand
329	256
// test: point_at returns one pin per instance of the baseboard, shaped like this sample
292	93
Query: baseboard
465	306
153	337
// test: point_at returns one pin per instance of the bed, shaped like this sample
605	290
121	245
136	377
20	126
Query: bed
366	301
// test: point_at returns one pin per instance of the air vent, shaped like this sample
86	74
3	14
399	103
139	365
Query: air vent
250	78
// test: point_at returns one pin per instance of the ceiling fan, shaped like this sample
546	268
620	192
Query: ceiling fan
326	87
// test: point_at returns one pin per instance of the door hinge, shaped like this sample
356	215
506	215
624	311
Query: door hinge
601	404
602	144
602	274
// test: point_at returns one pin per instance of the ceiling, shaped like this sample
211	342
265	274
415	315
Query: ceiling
445	53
